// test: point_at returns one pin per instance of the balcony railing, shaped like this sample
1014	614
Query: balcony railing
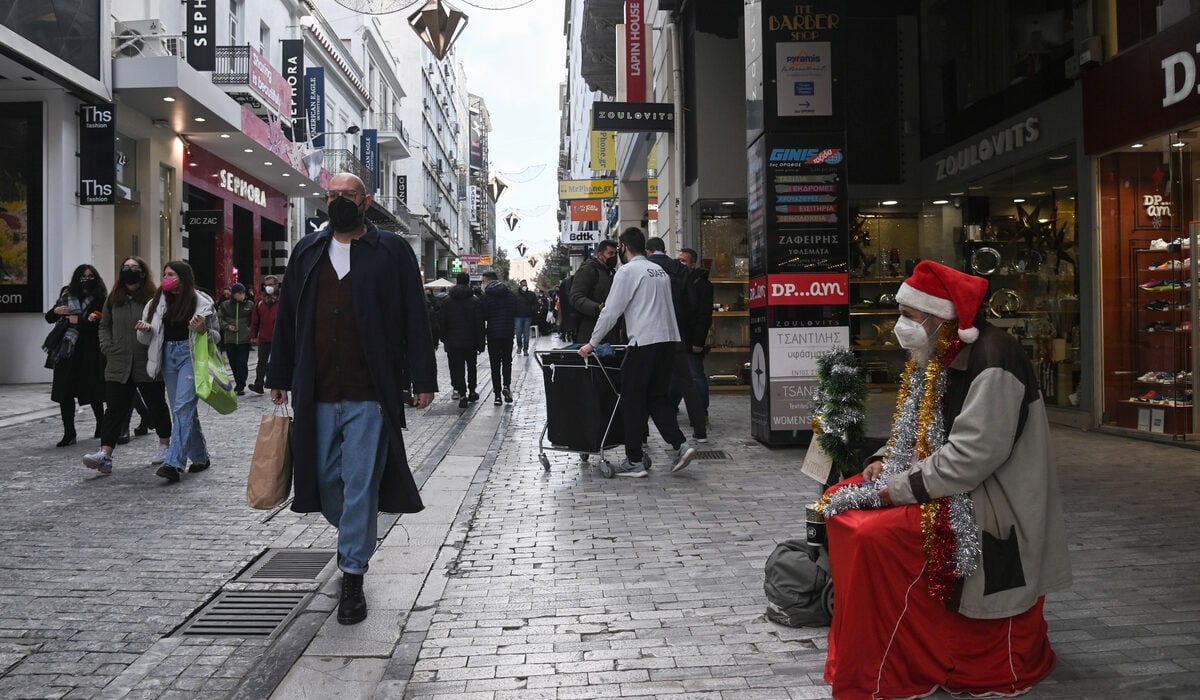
344	161
387	121
233	65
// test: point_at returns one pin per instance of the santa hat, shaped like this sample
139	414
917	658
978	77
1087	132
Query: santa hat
945	293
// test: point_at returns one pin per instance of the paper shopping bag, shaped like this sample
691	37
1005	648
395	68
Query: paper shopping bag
271	467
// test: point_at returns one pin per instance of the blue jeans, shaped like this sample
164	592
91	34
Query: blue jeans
351	453
523	323
187	439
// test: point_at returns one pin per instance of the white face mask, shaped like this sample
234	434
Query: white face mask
269	289
911	334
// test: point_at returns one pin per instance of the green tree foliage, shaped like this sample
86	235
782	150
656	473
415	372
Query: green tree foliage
553	266
501	264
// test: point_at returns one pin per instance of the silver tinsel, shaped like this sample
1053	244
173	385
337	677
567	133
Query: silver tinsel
899	458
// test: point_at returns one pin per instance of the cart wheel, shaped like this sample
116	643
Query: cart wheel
606	469
827	599
544	460
646	460
583	457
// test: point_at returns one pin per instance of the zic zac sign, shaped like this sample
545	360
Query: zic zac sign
985	261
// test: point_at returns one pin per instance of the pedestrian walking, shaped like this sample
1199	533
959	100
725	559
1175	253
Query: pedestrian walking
499	311
527	304
125	373
590	288
74	353
177	317
953	535
694	327
262	329
235	315
641	294
681	373
462	323
352	346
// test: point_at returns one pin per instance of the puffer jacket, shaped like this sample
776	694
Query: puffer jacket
462	320
238	314
589	290
262	322
500	311
527	303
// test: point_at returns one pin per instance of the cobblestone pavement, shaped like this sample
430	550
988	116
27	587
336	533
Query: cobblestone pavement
557	584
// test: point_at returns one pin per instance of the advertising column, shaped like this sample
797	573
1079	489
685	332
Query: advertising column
798	210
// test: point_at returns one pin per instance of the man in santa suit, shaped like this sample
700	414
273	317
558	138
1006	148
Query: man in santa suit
943	549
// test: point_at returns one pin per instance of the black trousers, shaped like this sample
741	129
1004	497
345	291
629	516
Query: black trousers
119	397
239	358
463	369
500	355
683	384
260	371
645	382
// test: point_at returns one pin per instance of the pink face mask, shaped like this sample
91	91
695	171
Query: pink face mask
170	284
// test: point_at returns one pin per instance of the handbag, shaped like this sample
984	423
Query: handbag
214	386
53	342
270	478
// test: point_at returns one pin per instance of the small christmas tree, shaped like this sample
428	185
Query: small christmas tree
840	409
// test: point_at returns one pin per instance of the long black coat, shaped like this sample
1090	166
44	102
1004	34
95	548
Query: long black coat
393	326
500	311
462	320
81	376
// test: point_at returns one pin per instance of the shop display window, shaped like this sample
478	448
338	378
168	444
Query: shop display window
724	252
1148	227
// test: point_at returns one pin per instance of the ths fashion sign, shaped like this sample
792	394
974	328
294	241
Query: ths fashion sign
629	116
97	154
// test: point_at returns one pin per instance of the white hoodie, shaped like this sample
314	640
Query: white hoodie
154	337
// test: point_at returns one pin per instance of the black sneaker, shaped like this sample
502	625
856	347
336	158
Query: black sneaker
256	388
124	439
171	474
240	392
498	402
142	429
507	395
196	468
462	403
352	607
473	397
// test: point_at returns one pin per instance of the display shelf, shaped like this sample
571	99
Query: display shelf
728	388
737	348
728	280
731	314
880	312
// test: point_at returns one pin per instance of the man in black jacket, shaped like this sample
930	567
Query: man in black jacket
462	321
590	288
681	373
693	326
500	311
527	303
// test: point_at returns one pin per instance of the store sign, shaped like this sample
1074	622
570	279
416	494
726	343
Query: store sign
635	51
201	34
204	220
633	117
370	156
1156	205
293	73
97	154
268	84
1007	140
572	236
314	105
242	188
804	78
402	189
800	289
603	150
587	189
585	210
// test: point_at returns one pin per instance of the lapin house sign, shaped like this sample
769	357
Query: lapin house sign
635	51
633	117
201	35
97	154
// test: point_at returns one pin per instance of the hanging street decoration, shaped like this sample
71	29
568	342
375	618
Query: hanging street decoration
495	188
521	249
439	24
512	220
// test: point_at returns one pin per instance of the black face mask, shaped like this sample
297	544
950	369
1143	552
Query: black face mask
88	286
132	276
344	215
611	263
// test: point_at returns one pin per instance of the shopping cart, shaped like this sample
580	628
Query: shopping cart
582	402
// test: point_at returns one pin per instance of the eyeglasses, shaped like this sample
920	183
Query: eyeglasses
348	194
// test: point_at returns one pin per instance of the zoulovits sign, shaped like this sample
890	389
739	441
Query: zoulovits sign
633	116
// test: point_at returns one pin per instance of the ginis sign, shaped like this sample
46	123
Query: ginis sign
585	210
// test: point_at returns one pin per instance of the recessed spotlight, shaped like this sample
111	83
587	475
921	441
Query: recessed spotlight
192	164
1060	187
889	202
957	194
1042	221
1038	194
941	201
1018	200
1058	156
974	187
287	174
267	162
303	185
200	119
224	136
248	150
1138	145
728	204
168	98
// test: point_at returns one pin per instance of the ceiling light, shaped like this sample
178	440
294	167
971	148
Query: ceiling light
287	174
168	99
303	185
224	136
1058	156
1038	194
957	194
1018	200
248	150
974	187
1042	221
941	201
192	164
889	202
1060	187
200	119
1178	144
728	204
267	162
1138	145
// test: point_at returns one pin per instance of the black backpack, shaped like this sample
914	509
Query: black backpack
798	585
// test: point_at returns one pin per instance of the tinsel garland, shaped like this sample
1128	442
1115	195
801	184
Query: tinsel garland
840	399
950	540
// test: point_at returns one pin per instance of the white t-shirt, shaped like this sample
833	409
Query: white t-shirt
339	255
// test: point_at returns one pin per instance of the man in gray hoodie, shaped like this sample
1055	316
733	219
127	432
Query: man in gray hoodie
641	293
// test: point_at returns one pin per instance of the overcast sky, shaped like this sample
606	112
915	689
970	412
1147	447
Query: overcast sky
515	59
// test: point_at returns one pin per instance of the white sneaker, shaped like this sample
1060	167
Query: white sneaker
684	456
101	461
1158	244
160	457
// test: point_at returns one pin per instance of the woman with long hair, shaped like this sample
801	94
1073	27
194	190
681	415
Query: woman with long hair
177	317
76	358
125	373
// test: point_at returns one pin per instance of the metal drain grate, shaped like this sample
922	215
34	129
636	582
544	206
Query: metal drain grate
289	565
711	454
244	614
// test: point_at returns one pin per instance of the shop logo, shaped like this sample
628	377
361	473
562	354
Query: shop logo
804	57
246	190
1156	206
1004	141
808	156
1176	91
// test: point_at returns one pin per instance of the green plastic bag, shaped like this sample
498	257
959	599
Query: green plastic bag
214	386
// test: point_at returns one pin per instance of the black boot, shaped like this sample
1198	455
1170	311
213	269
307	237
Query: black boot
68	420
352	608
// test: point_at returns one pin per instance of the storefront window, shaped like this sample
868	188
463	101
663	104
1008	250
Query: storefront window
1147	196
724	252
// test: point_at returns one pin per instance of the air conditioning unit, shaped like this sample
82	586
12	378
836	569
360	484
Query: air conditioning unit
143	37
